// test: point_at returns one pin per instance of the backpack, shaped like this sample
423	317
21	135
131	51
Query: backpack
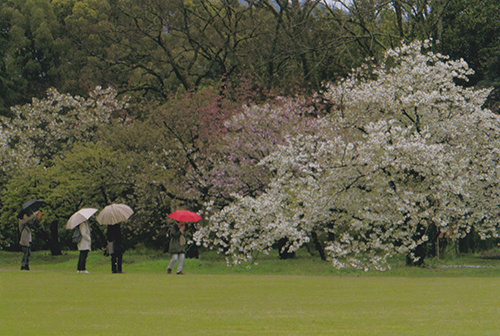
77	235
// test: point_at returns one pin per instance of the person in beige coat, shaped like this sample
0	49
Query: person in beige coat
84	246
26	238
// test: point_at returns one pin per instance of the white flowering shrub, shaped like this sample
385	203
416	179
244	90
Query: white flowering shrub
406	149
36	132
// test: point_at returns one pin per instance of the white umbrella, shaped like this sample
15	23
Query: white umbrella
114	213
79	217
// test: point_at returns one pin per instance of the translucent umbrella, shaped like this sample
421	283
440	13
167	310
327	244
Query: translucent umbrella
114	213
79	217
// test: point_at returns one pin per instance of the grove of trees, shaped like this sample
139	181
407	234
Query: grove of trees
250	113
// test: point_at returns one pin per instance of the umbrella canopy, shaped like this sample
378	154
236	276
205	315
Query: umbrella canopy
184	216
30	207
79	217
114	213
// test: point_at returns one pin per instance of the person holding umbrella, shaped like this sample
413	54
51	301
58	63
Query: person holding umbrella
113	215
78	222
177	246
84	246
25	223
114	236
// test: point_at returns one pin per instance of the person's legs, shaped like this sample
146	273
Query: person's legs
181	263
113	263
82	260
116	262
119	259
172	262
25	261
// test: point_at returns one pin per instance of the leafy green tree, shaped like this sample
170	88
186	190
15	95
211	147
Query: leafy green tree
35	52
91	175
469	31
23	185
155	46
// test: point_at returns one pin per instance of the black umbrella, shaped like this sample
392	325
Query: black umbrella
30	207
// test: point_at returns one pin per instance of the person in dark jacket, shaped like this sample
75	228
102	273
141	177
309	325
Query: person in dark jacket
177	247
26	238
114	236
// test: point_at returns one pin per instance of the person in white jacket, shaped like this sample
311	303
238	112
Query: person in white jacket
84	247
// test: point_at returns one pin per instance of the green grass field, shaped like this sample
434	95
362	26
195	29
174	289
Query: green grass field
304	296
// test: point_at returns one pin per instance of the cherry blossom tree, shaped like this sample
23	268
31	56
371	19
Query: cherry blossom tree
251	134
36	132
406	153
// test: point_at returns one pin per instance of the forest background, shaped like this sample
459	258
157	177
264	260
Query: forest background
165	104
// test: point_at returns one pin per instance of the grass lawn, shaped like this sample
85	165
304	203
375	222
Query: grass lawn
304	296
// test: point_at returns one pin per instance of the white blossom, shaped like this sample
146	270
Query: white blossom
40	130
401	153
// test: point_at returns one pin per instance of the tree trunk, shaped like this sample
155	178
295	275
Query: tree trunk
399	18
55	247
318	246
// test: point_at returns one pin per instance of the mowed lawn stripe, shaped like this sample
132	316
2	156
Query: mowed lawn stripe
63	303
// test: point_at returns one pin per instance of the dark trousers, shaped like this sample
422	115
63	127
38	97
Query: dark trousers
116	262
25	261
82	260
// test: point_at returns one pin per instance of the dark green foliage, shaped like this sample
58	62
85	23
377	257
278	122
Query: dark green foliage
35	53
470	31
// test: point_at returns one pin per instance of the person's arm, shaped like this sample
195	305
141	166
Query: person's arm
24	222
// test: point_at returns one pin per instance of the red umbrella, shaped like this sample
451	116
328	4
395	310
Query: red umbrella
184	216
